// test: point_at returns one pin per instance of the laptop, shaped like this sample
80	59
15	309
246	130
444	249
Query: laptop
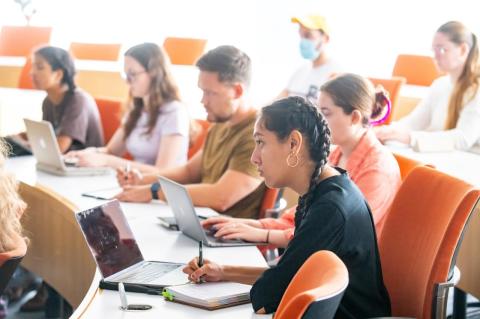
179	200
49	159
117	254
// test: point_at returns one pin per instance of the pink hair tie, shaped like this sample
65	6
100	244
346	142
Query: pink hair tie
384	118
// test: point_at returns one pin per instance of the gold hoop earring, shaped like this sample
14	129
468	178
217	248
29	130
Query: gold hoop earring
289	160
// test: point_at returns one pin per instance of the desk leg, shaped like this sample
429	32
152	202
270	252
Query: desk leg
459	304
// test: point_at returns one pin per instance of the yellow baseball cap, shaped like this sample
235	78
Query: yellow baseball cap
313	22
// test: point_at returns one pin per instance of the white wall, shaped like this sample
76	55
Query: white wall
366	35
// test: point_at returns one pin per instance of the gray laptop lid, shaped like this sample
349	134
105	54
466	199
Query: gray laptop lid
44	143
183	209
109	237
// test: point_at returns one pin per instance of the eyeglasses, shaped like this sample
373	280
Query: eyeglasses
440	50
130	76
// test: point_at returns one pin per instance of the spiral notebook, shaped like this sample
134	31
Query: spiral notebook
210	295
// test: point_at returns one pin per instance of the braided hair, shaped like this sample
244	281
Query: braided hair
297	113
59	58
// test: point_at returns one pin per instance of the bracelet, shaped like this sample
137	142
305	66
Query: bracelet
268	236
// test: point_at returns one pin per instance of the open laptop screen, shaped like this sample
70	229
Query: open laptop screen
109	237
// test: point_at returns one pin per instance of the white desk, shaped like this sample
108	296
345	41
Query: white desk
16	104
466	166
155	242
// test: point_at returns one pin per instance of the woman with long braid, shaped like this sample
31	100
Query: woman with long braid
292	145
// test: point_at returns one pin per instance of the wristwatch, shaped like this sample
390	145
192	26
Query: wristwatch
154	190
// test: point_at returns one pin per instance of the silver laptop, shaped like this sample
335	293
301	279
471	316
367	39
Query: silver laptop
116	252
49	159
179	200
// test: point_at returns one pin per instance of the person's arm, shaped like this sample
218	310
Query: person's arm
211	271
228	190
174	144
64	143
462	137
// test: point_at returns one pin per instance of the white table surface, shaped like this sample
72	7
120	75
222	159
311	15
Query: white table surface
155	242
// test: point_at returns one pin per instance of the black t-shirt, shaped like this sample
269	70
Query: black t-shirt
338	220
76	117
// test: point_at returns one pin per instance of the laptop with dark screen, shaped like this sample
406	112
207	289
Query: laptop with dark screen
116	251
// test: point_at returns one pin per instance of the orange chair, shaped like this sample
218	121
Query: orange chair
184	51
316	289
110	116
25	80
9	261
392	86
407	164
420	236
200	128
21	40
268	202
95	51
417	69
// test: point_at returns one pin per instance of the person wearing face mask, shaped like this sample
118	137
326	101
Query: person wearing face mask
449	116
314	38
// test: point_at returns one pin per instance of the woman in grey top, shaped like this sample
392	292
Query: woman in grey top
155	130
72	112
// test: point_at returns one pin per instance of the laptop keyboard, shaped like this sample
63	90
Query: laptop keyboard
146	273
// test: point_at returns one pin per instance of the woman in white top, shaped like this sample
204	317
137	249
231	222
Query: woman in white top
449	117
155	130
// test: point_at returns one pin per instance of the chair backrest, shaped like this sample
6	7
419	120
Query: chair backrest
25	80
269	200
95	51
9	261
198	139
419	238
21	40
392	86
407	164
110	116
184	51
417	69
316	289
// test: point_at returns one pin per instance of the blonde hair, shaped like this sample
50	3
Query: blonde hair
11	206
467	84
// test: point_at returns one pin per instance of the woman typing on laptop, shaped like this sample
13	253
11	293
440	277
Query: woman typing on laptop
155	131
71	111
292	145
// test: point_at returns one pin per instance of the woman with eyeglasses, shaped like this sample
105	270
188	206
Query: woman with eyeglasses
292	146
155	130
71	111
449	117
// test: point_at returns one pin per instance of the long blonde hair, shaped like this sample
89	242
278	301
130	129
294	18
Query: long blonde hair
11	206
467	84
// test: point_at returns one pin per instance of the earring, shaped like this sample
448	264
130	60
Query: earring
289	162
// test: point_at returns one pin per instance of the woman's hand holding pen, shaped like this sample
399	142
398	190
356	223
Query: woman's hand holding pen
210	271
128	177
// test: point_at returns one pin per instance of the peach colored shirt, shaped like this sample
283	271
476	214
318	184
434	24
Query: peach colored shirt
372	168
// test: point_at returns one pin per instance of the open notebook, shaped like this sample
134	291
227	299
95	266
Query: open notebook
210	295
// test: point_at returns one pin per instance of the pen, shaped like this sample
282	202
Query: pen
200	254
127	170
200	259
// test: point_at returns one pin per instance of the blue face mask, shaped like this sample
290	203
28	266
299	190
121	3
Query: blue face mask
308	49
